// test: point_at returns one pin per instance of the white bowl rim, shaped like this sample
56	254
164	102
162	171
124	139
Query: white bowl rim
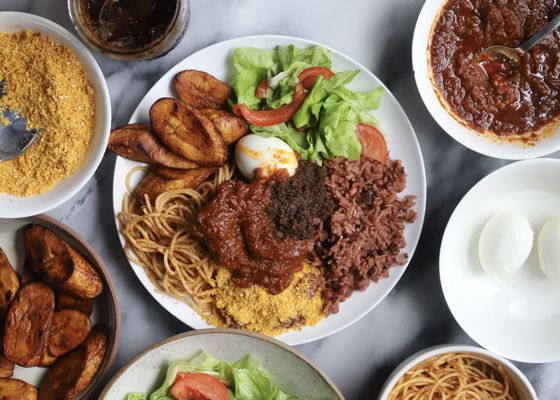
496	173
222	331
86	175
420	206
429	352
467	137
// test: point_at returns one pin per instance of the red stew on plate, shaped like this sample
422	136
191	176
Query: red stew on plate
510	101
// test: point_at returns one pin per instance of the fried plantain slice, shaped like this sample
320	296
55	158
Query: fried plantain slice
28	275
28	325
9	283
95	347
58	264
230	126
14	389
65	301
138	144
62	377
202	90
187	132
166	179
68	330
6	366
47	360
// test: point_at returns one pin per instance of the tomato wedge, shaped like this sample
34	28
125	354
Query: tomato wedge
198	386
272	117
309	76
262	89
373	143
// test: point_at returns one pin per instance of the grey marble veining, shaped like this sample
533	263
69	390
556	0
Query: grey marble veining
378	34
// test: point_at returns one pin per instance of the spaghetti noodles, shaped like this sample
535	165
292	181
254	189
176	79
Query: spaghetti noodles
159	237
453	376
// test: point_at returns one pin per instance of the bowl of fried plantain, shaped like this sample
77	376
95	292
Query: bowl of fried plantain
59	314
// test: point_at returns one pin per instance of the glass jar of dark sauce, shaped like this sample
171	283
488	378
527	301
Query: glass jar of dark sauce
130	29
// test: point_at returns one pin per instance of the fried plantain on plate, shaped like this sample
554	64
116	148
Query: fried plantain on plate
230	126
202	90
28	325
137	142
68	330
165	179
62	377
6	366
65	301
95	346
48	359
187	132
58	264
9	283
28	275
14	389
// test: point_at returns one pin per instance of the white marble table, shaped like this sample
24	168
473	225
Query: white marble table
377	33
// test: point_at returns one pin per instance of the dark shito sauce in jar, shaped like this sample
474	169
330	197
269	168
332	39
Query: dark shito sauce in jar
130	29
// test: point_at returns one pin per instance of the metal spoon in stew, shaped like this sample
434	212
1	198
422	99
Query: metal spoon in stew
512	54
15	138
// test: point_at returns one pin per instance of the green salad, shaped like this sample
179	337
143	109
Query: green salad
293	94
203	377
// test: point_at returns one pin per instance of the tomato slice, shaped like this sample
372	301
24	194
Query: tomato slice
198	386
272	117
262	89
309	76
373	142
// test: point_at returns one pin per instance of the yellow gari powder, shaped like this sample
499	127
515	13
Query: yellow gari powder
45	82
256	310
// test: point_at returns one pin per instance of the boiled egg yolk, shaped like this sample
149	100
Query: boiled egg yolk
268	154
505	243
548	243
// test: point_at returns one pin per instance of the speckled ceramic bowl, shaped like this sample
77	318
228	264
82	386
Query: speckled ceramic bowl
292	371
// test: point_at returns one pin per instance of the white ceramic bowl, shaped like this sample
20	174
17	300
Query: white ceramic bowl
522	384
293	372
480	143
515	315
16	207
402	143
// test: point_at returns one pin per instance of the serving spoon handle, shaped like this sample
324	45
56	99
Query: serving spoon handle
540	35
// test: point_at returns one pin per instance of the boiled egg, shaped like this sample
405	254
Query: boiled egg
505	243
268	154
548	245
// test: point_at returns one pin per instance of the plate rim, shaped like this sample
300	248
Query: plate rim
220	331
421	197
447	234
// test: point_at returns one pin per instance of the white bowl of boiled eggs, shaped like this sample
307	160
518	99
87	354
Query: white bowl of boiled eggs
500	261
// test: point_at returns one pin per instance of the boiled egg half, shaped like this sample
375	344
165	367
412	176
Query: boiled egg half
505	243
268	154
548	243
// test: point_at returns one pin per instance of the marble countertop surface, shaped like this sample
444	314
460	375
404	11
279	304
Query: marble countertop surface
378	34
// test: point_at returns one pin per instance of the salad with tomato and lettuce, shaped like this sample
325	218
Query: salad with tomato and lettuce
295	95
204	377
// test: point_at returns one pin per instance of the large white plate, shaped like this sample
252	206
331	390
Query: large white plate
294	373
402	143
517	315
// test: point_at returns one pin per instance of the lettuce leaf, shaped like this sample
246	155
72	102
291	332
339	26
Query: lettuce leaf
246	379
329	113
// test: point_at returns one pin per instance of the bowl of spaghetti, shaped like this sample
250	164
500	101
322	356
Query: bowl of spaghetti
457	372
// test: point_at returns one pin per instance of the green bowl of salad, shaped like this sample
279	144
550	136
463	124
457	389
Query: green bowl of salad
220	364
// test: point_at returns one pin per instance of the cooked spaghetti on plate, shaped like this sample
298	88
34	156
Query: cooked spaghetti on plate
267	203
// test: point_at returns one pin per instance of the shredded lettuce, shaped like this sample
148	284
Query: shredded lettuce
245	378
328	115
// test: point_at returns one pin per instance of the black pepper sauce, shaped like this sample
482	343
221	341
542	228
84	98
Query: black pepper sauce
129	25
492	95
